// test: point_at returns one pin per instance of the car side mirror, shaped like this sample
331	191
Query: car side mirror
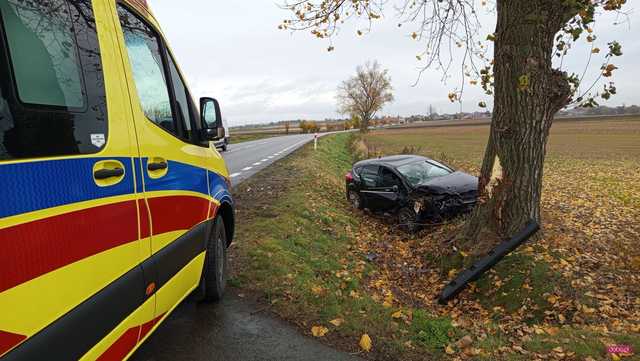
211	118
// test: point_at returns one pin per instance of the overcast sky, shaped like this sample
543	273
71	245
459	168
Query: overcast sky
233	51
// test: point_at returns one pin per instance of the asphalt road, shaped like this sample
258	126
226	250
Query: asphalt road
237	328
246	159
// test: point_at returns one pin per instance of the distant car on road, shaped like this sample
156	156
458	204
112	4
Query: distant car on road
223	142
413	188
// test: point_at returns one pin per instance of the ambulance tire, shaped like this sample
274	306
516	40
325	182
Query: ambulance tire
214	277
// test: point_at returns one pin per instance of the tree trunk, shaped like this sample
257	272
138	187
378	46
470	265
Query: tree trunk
528	93
364	123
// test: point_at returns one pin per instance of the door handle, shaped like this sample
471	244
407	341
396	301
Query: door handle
157	166
108	173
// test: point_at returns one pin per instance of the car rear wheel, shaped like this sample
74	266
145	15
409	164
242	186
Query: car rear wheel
214	277
407	220
355	199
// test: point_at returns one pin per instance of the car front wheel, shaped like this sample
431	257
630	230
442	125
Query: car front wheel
355	199
407	220
214	277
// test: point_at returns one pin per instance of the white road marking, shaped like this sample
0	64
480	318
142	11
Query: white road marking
246	168
270	157
264	160
257	163
234	175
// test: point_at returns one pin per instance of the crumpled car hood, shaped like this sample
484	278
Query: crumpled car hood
456	182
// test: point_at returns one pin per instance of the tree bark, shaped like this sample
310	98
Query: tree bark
528	93
364	123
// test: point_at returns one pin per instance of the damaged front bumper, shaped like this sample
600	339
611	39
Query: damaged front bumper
442	206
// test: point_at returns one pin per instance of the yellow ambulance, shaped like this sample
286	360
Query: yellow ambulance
114	206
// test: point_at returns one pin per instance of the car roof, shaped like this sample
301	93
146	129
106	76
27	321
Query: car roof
392	161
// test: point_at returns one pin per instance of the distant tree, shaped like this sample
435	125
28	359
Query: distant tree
365	93
528	89
307	126
286	127
355	121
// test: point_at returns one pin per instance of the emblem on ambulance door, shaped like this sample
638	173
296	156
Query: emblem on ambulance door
97	140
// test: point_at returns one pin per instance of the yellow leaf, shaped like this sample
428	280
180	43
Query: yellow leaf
538	330
317	290
449	350
452	273
319	331
552	299
396	314
386	304
365	342
615	357
337	322
552	330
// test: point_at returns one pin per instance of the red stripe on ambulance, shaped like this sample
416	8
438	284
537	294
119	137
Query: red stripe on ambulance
123	345
32	249
9	340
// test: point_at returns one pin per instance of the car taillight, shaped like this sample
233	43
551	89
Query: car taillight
349	177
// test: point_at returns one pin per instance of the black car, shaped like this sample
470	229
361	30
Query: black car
415	188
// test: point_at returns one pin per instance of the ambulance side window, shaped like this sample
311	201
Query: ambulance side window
52	95
145	56
182	97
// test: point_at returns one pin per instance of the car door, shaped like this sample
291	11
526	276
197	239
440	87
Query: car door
173	164
389	189
69	243
383	195
370	176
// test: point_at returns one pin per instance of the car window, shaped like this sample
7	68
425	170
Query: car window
436	163
418	173
143	47
182	97
388	178
52	98
369	176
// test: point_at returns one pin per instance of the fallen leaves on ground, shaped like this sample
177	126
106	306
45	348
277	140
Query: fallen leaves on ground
591	211
365	342
319	331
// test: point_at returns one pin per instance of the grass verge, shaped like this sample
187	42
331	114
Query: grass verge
241	138
300	250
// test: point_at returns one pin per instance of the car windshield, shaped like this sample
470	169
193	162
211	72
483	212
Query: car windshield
421	172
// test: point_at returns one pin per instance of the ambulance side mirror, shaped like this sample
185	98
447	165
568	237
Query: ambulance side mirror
211	117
